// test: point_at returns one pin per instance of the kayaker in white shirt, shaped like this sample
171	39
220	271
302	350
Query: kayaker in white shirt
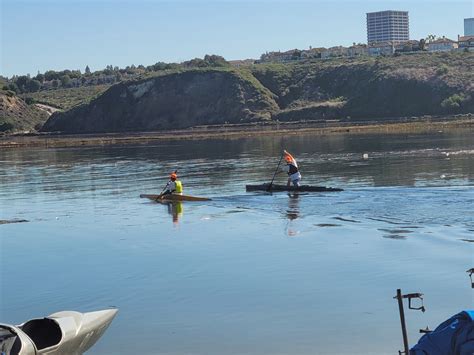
291	168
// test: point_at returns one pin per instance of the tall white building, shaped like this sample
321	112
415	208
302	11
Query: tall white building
388	26
469	26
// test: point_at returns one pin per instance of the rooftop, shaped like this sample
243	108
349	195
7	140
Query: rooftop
442	40
386	11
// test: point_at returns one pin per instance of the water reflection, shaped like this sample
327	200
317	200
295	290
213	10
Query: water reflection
338	160
175	210
292	213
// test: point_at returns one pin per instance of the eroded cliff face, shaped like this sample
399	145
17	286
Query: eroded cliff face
171	101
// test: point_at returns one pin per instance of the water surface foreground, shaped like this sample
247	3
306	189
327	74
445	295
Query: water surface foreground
246	273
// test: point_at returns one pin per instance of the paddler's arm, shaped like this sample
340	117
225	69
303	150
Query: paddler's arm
167	191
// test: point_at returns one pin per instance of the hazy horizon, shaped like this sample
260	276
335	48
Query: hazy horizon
51	35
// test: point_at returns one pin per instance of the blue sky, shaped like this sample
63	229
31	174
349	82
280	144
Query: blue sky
53	34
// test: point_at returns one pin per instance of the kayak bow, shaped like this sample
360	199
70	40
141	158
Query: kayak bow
60	333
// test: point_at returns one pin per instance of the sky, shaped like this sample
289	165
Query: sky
40	35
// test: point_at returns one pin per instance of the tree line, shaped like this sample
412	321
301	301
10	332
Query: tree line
51	79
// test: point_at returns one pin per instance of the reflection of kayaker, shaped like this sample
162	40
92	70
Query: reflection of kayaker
292	213
293	210
175	209
291	168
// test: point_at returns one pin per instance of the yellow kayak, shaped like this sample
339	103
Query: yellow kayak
174	198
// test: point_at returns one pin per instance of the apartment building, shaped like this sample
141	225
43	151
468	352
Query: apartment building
384	26
469	26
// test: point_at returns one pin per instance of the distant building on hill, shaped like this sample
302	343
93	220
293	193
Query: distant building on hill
466	43
281	57
408	46
334	52
469	26
442	45
357	50
381	48
312	53
383	26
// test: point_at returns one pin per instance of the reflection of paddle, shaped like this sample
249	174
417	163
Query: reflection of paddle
276	170
160	196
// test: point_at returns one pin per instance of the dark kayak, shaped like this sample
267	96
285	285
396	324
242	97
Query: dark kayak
302	188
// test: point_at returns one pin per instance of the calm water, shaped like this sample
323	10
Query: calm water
246	273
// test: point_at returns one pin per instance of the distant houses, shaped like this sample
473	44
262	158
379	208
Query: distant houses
386	48
387	34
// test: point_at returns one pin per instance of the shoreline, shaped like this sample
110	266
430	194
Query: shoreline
236	131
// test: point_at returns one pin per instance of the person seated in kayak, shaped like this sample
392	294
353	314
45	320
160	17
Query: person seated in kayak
291	168
174	186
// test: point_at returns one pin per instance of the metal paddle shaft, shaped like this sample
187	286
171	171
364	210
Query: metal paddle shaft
399	298
276	170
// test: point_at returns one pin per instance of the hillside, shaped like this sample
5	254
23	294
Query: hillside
170	101
410	85
349	89
17	115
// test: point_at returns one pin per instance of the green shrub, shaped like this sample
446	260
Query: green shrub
454	102
29	100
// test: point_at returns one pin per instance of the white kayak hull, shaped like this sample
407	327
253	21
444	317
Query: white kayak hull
61	333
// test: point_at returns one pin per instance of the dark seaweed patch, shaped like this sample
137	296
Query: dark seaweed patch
394	236
8	221
384	220
346	220
395	231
